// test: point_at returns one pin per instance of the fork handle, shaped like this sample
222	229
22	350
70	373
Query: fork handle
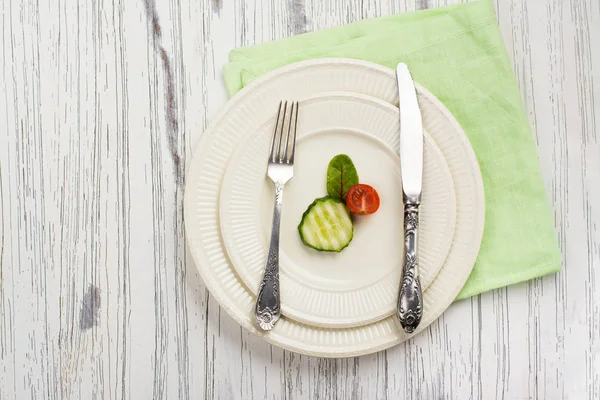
268	307
410	298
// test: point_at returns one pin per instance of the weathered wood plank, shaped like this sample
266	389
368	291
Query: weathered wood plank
102	103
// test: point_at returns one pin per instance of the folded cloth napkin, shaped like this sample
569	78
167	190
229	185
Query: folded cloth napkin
458	54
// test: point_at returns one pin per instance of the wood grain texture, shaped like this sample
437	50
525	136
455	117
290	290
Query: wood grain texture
102	102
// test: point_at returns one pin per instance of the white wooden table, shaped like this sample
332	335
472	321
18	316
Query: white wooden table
101	105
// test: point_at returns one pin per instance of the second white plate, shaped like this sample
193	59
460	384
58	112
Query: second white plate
359	285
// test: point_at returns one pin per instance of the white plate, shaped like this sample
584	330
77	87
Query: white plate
252	107
359	285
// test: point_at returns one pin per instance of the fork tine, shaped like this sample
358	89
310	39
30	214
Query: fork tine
295	116
276	131
289	130
282	130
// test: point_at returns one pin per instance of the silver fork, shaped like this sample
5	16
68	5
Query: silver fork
280	169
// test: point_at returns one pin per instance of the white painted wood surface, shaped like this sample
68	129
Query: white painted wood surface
98	298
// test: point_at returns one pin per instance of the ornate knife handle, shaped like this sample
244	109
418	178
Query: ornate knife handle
268	306
410	298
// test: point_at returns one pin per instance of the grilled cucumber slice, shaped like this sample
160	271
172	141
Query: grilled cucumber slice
326	225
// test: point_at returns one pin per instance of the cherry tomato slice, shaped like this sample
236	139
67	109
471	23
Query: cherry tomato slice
362	199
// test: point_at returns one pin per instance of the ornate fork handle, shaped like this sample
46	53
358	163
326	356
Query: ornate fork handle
410	299
268	307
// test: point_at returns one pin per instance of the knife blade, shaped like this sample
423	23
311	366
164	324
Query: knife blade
411	135
410	297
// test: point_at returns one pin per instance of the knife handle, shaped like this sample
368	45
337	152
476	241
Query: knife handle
410	298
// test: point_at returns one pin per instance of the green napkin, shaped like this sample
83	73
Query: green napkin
458	54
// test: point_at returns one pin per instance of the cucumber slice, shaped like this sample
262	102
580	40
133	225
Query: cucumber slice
326	225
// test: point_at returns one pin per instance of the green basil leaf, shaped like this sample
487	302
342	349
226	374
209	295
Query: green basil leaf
341	176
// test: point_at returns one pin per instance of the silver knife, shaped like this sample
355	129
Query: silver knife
410	297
